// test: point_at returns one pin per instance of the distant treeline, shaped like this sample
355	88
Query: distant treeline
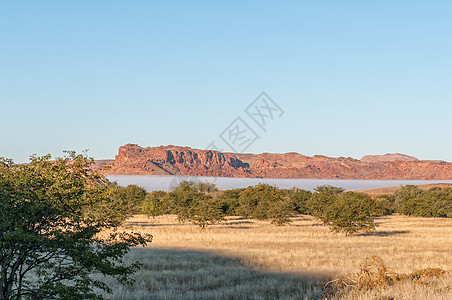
350	212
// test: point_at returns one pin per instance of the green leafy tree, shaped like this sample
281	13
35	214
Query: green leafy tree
263	202
323	197
180	202
183	185
300	199
122	203
205	211
385	205
205	187
197	207
403	198
156	204
281	210
436	202
350	213
229	201
49	245
443	203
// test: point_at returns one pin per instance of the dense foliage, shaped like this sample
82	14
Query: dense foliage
347	212
413	201
49	224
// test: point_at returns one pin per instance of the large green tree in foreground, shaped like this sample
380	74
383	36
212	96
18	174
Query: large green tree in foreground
50	244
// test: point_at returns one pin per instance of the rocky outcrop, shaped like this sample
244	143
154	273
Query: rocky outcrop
388	158
174	160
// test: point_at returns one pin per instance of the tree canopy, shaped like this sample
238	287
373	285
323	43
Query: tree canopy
50	244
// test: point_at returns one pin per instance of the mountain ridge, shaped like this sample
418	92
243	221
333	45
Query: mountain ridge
177	160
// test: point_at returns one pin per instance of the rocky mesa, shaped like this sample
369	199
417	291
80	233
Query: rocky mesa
175	160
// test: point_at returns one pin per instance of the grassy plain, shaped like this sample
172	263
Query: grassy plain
250	259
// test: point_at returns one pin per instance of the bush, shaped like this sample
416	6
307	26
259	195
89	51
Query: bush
155	204
205	211
374	273
323	197
350	213
300	199
384	205
121	203
263	202
413	201
203	187
191	205
229	202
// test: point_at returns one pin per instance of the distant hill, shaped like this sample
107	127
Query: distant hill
175	160
388	158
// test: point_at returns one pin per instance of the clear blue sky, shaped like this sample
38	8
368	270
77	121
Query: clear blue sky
353	77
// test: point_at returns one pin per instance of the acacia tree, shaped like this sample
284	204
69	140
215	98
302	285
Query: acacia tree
350	213
263	202
194	206
122	202
205	211
323	198
154	204
49	241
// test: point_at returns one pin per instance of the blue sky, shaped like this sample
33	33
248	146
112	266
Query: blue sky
353	77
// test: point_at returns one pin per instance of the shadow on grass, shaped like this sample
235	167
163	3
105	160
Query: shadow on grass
384	233
175	274
148	224
237	227
237	222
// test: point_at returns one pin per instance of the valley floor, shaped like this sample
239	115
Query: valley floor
250	259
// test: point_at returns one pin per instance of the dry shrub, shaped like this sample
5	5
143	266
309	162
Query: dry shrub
375	274
426	273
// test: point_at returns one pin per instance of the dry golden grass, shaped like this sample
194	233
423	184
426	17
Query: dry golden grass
261	250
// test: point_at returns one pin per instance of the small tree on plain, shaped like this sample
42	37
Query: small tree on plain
263	202
351	213
205	211
323	197
197	207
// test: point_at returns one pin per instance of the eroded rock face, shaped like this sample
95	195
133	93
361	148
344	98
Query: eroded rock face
174	160
388	158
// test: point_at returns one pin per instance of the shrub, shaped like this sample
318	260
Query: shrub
300	199
155	204
413	201
203	187
323	197
350	213
374	273
263	202
229	202
205	211
191	205
121	203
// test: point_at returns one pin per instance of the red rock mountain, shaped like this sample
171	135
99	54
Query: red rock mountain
173	160
388	157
